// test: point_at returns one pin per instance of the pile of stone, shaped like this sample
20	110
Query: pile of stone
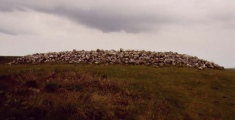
119	57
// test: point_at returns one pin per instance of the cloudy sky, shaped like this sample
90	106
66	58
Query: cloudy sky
203	28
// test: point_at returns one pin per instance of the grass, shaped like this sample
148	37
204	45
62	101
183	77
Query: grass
103	92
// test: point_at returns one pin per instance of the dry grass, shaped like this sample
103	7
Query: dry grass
100	92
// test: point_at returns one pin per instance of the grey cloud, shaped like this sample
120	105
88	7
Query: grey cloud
9	32
114	19
10	5
111	21
104	18
10	9
224	20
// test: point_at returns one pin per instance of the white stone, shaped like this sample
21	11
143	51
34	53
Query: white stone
118	57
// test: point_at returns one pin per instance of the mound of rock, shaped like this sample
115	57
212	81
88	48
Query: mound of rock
119	57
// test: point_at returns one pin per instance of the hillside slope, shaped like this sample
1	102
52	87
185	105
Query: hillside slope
79	91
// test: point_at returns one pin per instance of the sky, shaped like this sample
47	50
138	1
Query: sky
202	28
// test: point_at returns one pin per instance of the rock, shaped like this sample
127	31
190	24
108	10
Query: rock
119	57
203	66
111	53
147	58
51	56
34	90
97	50
161	64
121	50
200	68
126	55
132	61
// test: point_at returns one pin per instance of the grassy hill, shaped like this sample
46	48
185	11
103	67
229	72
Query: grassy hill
96	92
6	59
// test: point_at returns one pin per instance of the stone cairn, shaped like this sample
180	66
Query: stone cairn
121	56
